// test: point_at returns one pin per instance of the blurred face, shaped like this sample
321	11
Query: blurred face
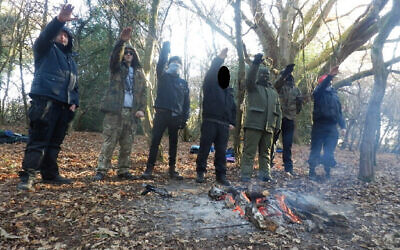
263	75
62	38
128	56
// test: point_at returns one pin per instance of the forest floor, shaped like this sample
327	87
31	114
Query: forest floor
113	213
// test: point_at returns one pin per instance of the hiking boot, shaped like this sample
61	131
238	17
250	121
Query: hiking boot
175	175
312	175
99	176
147	175
223	181
265	178
289	172
126	176
327	173
58	180
26	184
200	177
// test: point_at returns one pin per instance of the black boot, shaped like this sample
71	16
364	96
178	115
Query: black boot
99	176
200	177
147	175
58	180
26	182
312	175
223	181
126	176
173	174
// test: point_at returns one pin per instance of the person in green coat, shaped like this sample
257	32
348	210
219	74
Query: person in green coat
263	119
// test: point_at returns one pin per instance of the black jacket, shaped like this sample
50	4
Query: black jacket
218	103
324	88
56	73
172	91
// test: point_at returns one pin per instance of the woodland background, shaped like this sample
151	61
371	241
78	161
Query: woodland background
361	36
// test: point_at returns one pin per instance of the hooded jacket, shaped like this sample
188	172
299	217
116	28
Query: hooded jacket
113	100
56	75
263	107
172	91
218	103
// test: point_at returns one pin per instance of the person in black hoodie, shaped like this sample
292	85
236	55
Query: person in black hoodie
55	97
219	114
172	110
327	114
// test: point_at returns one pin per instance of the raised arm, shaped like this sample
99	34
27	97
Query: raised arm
282	77
325	83
252	73
44	42
118	51
212	73
163	58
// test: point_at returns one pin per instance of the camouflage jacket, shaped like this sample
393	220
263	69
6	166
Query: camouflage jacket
263	107
290	98
113	100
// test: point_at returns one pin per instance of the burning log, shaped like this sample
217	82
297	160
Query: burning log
261	221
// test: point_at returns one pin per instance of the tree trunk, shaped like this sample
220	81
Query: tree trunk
371	126
23	93
240	83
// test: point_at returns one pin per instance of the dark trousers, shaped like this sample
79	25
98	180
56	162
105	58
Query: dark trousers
212	132
47	128
287	141
323	136
163	119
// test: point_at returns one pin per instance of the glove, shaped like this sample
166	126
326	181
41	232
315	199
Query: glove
166	46
288	70
182	125
258	58
181	122
299	104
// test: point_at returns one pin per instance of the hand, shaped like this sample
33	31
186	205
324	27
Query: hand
126	34
139	114
223	53
72	107
342	132
288	70
65	14
231	127
167	46
182	125
258	58
334	71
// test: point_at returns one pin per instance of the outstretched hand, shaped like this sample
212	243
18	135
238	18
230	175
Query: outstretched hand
334	71
65	14
258	58
223	53
126	34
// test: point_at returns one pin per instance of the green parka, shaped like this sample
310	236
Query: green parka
113	100
263	107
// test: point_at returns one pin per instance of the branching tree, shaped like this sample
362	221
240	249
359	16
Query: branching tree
372	120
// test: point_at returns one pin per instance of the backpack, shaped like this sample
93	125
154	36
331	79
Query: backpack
327	106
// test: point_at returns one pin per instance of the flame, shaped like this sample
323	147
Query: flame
238	208
245	197
281	200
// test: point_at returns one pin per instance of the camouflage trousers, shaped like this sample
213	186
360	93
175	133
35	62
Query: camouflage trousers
117	129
